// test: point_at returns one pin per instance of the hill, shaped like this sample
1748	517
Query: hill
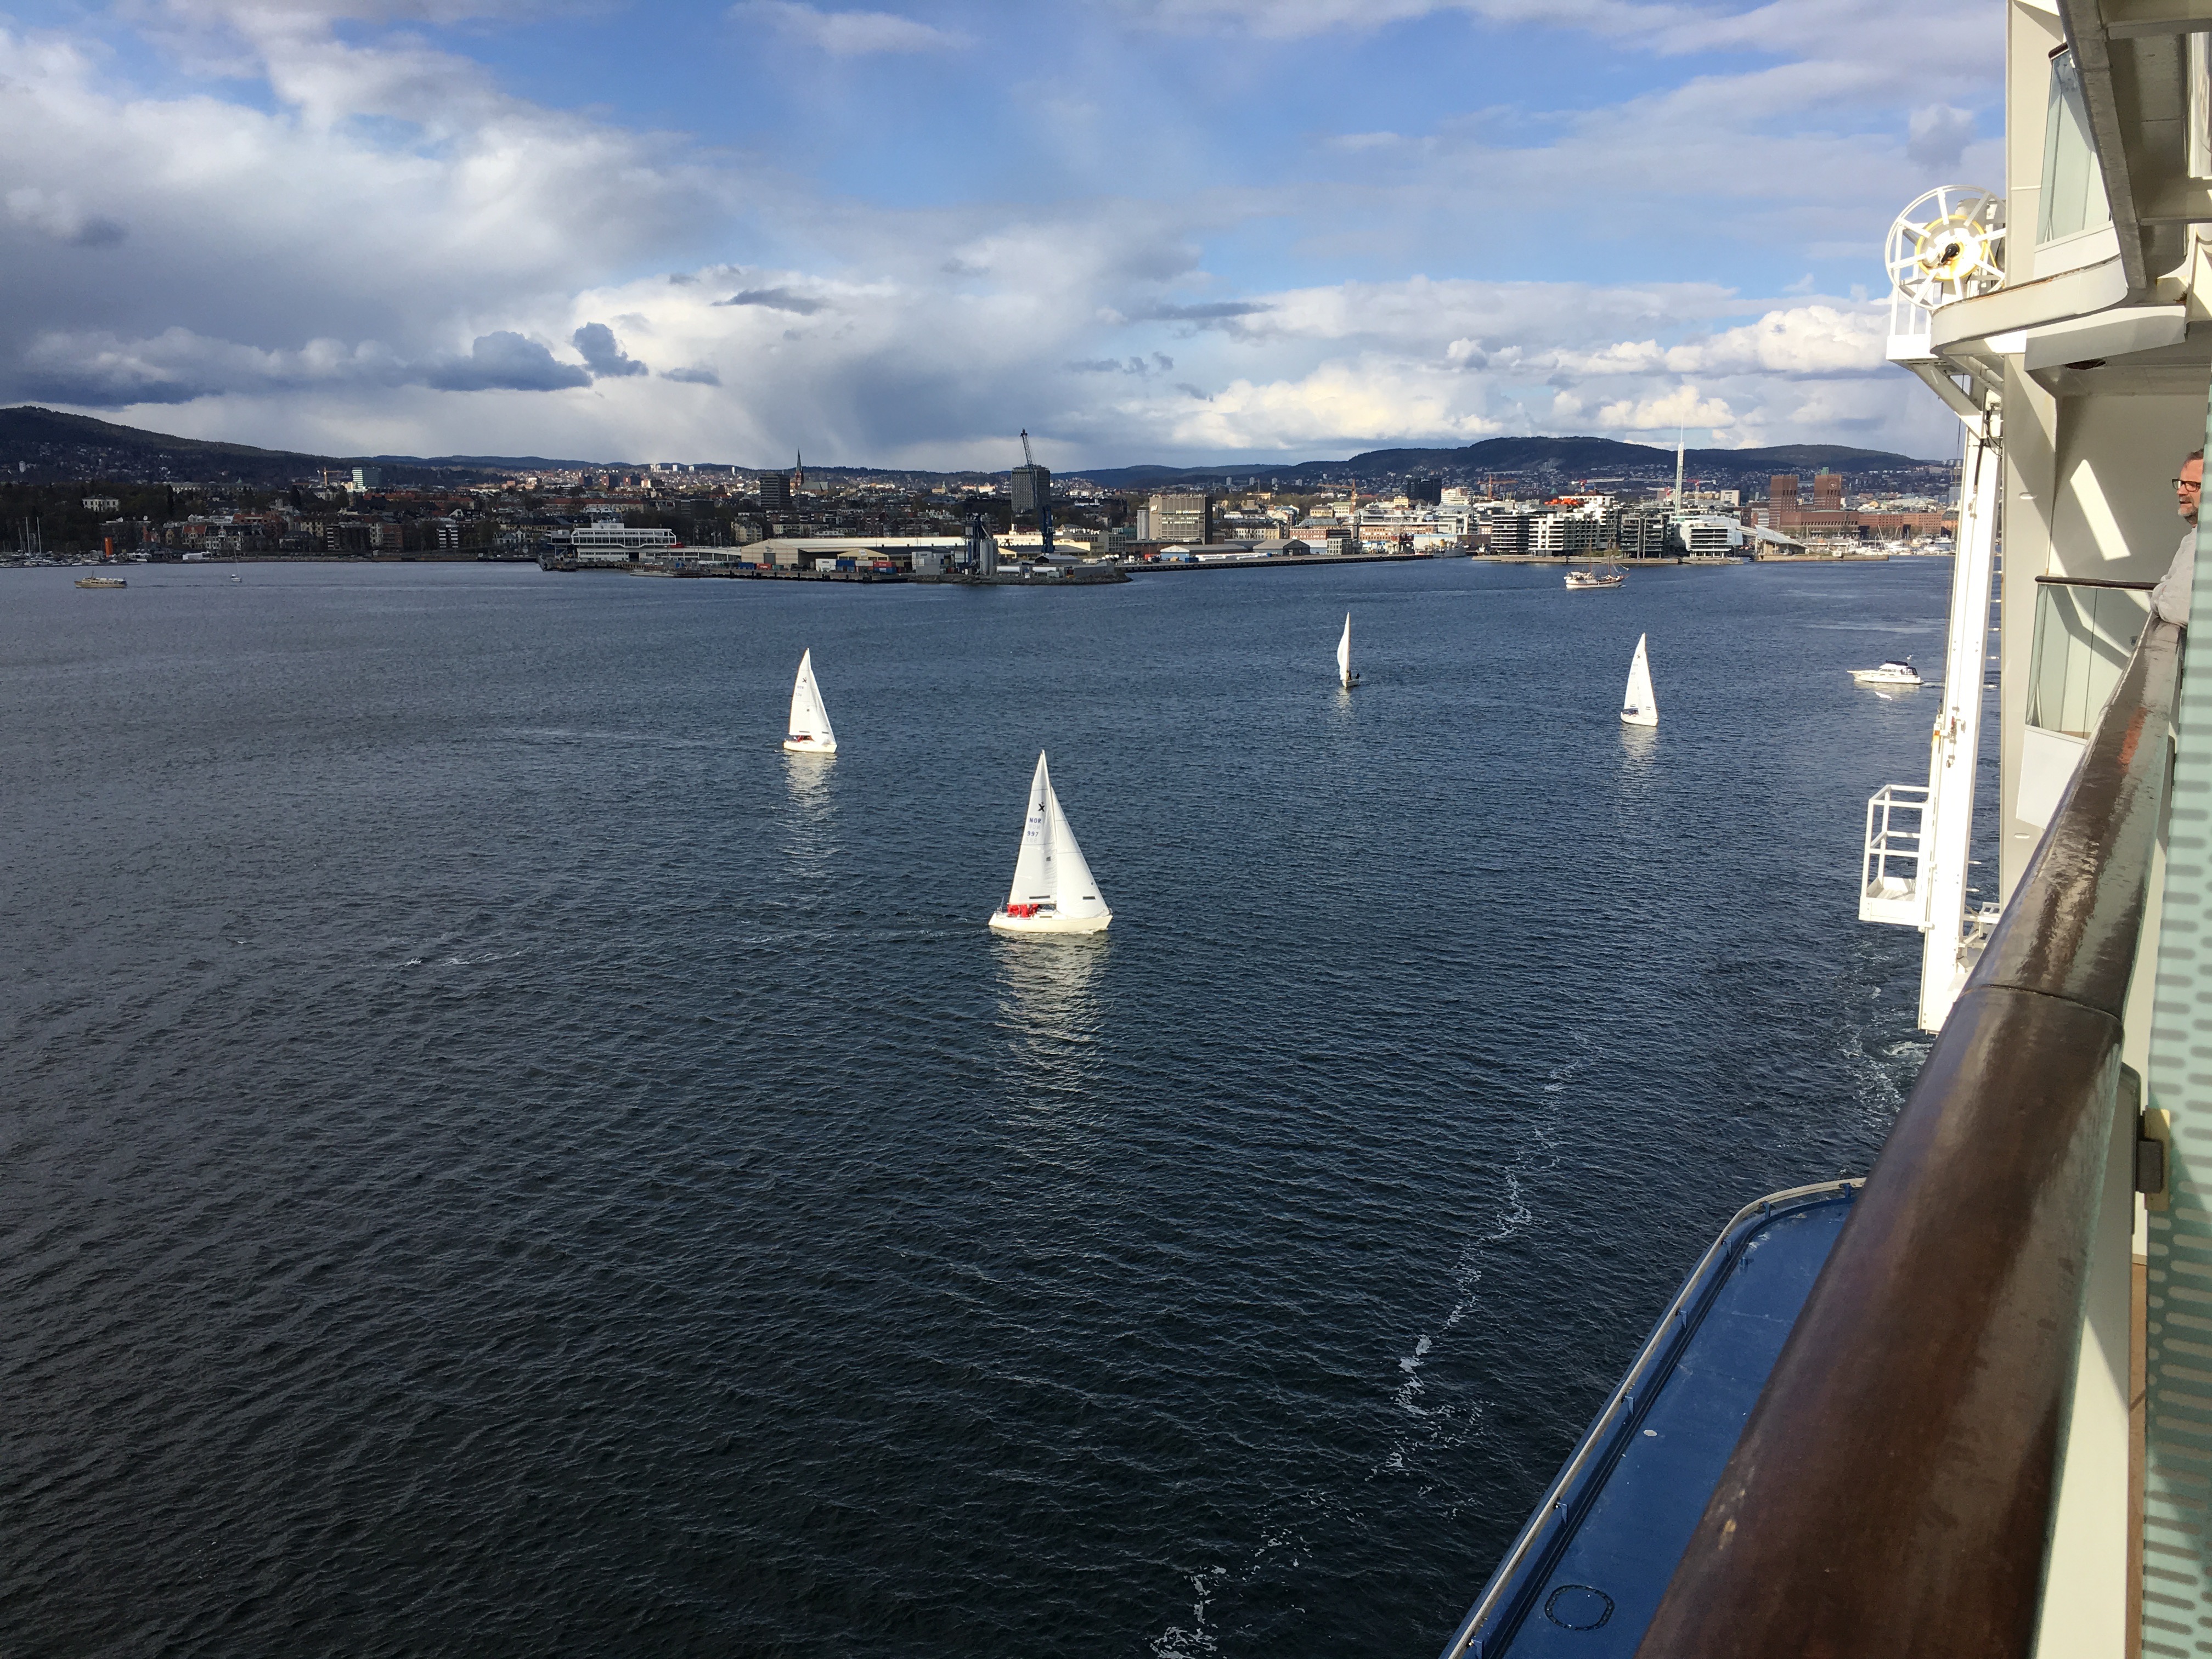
1566	457
51	444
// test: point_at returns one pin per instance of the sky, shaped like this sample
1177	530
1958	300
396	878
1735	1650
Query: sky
1194	232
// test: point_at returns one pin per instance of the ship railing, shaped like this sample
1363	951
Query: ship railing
1897	1488
1890	886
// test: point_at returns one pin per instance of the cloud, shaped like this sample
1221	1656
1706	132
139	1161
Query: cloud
595	342
920	332
504	361
775	299
849	33
1159	364
59	216
1937	136
1214	312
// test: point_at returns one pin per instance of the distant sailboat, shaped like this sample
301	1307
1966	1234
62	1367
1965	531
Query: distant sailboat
1639	705
1344	656
1054	890
809	733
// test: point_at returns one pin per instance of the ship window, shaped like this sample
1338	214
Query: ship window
2073	194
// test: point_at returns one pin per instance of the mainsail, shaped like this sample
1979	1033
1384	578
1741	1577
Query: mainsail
809	732
1033	868
1344	654
1638	705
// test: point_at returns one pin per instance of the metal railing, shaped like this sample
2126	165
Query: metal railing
1892	1491
1890	887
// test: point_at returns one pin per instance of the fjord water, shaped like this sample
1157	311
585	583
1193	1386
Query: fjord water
496	1157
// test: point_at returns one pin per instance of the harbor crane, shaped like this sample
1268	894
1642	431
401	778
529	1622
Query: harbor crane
1043	494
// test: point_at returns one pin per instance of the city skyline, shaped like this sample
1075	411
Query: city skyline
1195	231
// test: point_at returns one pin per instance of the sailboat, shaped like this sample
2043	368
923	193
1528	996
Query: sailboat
809	733
1054	890
1639	705
1344	656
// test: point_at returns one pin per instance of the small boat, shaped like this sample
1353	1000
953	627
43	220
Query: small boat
1639	705
1344	673
1579	578
1054	890
808	733
101	581
1890	673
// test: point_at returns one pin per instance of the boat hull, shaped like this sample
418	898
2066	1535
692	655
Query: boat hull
808	747
1003	923
1875	677
1639	717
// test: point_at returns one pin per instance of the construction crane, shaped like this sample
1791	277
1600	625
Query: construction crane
1043	494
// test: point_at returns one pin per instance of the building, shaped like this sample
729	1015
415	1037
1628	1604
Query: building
1641	533
1828	492
774	492
1781	498
1429	490
1180	516
1031	488
369	477
610	542
1516	533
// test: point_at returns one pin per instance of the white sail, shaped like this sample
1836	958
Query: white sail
1344	653
1054	890
1074	889
1033	872
809	733
1639	705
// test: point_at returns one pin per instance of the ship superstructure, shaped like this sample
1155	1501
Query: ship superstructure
1894	1418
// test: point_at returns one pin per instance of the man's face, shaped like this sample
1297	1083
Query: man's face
2186	488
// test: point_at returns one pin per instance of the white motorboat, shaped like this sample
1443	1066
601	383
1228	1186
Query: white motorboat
1054	890
1890	673
809	732
1639	704
1581	578
1344	673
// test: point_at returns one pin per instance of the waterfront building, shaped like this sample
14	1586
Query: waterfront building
1642	532
1184	516
609	541
1031	486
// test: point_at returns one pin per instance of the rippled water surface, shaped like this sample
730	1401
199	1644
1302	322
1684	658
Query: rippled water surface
497	1158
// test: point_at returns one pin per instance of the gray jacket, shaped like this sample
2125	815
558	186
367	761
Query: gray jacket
2169	600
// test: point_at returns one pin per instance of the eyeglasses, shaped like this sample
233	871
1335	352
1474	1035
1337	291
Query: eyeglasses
2189	484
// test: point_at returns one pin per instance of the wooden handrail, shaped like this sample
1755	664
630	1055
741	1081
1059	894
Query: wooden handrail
1891	1494
2092	581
